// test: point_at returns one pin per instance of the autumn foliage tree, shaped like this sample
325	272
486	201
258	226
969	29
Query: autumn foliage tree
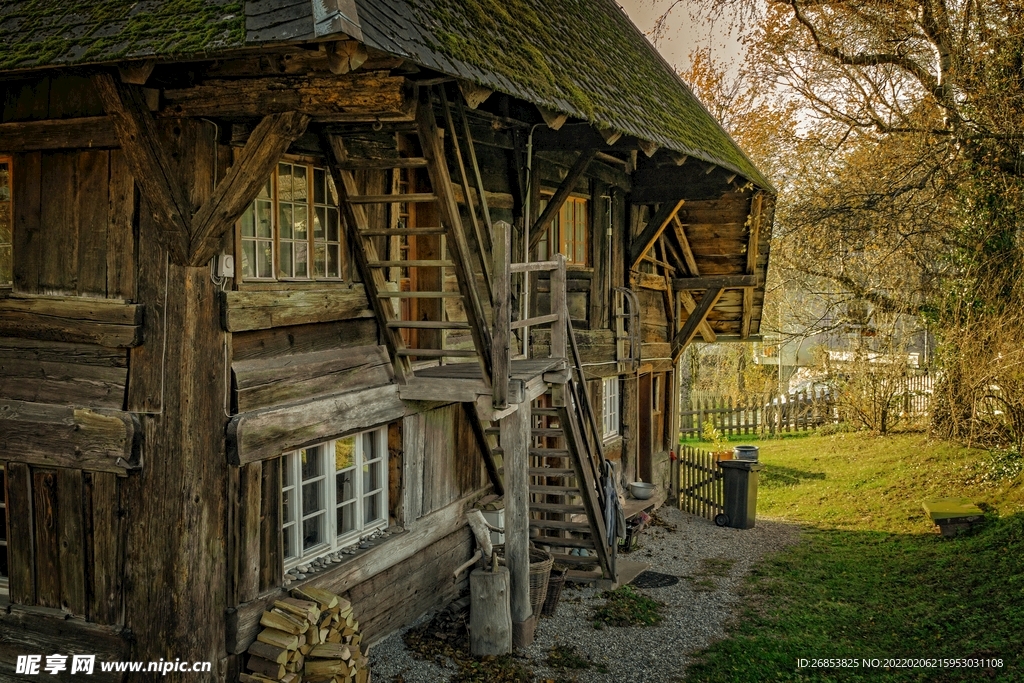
894	130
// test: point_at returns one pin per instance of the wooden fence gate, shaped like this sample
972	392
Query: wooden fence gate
701	489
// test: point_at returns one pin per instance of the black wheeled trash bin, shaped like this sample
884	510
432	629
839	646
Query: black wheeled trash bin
740	493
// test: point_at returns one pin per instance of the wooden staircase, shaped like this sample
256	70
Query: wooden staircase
458	256
566	501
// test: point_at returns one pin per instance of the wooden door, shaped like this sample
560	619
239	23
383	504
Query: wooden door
645	469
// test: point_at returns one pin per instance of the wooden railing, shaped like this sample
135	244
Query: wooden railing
504	325
701	487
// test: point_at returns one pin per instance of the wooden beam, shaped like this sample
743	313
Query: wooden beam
648	148
699	315
716	281
263	434
652	231
684	244
62	436
72	319
474	94
92	132
705	330
163	193
561	194
610	136
243	181
753	247
136	73
264	309
363	96
553	119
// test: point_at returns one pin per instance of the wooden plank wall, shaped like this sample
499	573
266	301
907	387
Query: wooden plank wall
66	546
79	238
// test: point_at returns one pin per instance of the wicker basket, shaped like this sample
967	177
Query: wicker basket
540	572
555	584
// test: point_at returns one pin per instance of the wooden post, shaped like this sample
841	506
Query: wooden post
490	621
515	442
502	314
175	580
559	307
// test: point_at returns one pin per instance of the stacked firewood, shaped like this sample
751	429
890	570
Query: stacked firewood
311	637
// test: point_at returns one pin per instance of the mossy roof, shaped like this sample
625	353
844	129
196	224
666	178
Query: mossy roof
47	32
584	58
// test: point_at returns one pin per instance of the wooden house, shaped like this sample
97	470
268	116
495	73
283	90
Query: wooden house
286	285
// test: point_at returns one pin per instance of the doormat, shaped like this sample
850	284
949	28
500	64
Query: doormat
651	579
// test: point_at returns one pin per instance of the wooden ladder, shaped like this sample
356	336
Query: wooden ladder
373	268
566	515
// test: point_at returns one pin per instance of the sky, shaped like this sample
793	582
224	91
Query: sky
683	34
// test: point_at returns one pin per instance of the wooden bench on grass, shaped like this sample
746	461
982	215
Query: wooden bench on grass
953	515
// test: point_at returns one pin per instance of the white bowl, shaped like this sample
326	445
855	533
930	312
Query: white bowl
641	490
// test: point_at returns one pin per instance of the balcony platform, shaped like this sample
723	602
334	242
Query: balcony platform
463	382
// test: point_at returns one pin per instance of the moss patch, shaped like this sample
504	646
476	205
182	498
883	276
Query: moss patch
37	32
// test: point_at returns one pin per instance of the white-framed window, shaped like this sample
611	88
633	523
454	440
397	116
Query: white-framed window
292	230
332	494
610	406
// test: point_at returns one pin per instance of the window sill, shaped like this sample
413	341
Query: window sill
293	577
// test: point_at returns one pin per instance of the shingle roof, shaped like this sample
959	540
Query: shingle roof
45	32
580	57
584	58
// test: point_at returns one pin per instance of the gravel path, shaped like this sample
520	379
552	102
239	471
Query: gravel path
696	611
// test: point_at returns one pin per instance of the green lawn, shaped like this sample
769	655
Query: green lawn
871	578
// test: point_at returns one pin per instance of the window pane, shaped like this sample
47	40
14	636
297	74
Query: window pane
289	543
284	182
346	519
334	261
300	221
319	221
319	259
286	259
249	222
265	190
265	261
285	221
312	493
248	258
332	192
300	187
301	259
264	220
6	275
370	446
312	532
311	462
346	486
371	477
319	186
5	181
344	453
288	506
371	510
333	226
